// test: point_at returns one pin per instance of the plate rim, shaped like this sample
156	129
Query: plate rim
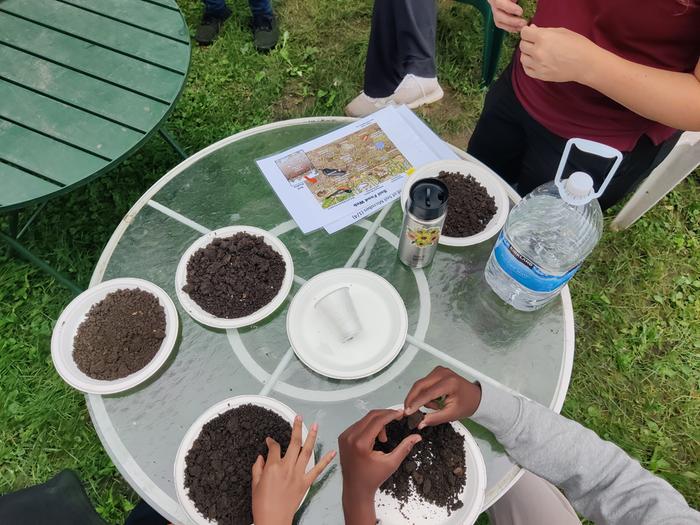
501	198
96	294
391	356
197	313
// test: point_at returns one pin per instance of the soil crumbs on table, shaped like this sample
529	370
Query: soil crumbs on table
234	276
469	208
120	335
218	466
435	468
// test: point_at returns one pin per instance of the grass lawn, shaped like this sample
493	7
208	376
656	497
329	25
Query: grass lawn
637	301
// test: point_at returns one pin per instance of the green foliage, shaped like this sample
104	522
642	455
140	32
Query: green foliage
637	300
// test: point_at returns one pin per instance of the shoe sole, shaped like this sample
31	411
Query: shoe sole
431	97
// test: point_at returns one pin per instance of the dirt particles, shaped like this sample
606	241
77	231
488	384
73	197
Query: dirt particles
470	208
218	466
435	468
120	335
235	276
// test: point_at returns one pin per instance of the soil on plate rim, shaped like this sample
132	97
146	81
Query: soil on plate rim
470	207
218	465
435	469
120	334
234	276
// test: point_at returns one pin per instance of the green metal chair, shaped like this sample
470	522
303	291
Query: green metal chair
493	40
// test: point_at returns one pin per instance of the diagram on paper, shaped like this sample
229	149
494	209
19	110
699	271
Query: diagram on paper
345	168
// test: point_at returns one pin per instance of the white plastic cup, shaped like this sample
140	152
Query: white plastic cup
340	312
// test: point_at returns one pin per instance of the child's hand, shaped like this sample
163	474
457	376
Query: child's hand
460	398
365	469
507	15
280	483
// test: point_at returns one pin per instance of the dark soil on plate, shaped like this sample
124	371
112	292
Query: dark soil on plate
218	466
470	206
234	276
120	335
435	468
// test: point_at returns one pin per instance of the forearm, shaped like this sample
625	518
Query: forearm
668	97
602	482
358	509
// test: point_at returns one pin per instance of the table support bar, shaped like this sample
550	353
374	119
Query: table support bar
270	383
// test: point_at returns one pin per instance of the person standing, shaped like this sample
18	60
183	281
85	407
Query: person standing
264	23
400	64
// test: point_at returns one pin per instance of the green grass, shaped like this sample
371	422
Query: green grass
637	300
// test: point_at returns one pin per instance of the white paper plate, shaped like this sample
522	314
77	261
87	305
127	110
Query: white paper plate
193	433
420	512
74	314
382	315
208	319
485	177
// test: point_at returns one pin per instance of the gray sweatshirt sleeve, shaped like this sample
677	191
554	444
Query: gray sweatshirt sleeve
600	480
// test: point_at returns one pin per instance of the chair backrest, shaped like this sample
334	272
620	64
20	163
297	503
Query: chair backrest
60	501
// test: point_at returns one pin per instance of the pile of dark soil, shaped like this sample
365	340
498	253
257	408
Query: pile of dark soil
235	276
218	466
470	208
120	335
435	468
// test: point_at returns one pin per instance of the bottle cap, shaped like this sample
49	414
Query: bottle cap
578	189
427	199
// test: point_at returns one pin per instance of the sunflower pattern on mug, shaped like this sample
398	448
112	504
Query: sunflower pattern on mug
423	237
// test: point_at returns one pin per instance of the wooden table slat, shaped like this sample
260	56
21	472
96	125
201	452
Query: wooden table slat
115	67
172	4
66	123
156	18
85	92
19	186
102	31
46	156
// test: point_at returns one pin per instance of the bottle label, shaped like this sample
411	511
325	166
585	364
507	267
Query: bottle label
524	271
421	236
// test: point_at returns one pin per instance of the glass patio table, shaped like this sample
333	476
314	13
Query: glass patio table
454	320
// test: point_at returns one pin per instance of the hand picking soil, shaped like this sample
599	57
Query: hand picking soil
120	335
218	466
434	470
471	207
235	276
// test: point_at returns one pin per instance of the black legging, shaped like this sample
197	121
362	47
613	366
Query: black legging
402	41
524	153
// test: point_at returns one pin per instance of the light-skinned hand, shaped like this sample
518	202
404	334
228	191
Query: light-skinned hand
365	469
280	483
556	54
458	397
507	15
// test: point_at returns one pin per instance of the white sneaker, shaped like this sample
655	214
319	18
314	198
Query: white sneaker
417	91
413	91
362	105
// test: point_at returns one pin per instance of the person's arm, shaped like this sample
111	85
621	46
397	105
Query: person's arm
602	482
561	55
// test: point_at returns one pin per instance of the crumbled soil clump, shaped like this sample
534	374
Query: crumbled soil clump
470	208
434	470
218	466
120	335
235	276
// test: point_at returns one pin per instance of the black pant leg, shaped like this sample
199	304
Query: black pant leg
499	139
401	41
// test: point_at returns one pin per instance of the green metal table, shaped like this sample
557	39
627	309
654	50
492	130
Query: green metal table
454	320
83	84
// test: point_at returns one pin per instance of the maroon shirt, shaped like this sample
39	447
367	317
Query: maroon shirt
659	33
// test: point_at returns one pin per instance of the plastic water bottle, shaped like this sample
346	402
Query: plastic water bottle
548	234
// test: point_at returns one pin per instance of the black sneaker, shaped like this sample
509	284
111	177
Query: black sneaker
265	32
209	28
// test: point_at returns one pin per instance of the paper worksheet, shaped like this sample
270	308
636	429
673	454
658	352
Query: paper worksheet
354	171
